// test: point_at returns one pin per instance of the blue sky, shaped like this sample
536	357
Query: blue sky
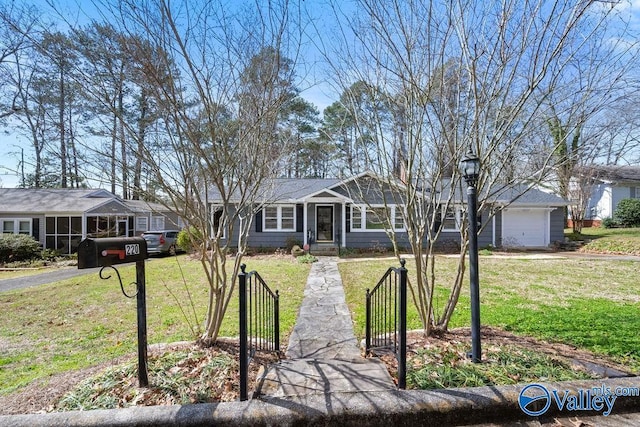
12	145
318	94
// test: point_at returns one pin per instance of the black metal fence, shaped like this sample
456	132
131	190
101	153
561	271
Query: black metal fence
259	322
386	318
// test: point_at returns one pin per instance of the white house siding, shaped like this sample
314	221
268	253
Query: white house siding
600	202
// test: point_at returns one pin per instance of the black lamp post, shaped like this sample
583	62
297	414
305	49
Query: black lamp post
470	165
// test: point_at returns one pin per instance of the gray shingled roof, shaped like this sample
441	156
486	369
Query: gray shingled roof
613	173
143	206
286	189
514	195
522	195
40	200
296	189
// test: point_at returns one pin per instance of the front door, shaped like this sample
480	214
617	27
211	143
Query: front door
121	230
324	224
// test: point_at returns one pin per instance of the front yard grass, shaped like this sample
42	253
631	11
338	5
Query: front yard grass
12	273
608	240
84	321
592	304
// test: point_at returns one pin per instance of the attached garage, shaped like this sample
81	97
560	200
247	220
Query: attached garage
525	227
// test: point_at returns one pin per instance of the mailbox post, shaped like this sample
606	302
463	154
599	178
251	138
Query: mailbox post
110	251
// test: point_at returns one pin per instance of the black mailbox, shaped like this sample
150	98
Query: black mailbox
111	251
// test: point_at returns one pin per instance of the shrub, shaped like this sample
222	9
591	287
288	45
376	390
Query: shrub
49	254
609	223
307	259
18	247
291	242
190	239
627	214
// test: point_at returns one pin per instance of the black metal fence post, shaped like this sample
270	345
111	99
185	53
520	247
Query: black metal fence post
244	357
276	322
367	339
141	303
386	317
402	359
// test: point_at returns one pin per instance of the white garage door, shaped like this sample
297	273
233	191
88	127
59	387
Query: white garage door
525	227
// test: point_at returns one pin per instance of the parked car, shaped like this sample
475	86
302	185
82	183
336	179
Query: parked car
161	242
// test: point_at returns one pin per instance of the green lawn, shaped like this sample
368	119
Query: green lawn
609	240
84	321
593	304
80	322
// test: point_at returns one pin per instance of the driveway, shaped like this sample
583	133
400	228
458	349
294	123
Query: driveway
49	276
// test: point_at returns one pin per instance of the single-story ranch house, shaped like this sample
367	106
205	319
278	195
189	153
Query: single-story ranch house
60	218
332	213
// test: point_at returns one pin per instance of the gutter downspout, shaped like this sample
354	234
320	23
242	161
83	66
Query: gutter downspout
493	229
304	223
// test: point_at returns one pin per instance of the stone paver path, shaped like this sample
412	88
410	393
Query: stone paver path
323	355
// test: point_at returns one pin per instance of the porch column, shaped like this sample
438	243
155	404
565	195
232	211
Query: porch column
304	223
344	224
84	226
493	228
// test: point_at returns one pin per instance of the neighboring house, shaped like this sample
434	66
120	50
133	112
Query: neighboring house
60	218
610	185
333	212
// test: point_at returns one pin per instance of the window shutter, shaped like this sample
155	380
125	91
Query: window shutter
259	221
35	228
299	218
348	221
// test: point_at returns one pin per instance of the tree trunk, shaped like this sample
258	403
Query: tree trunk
63	145
114	138
142	131
123	145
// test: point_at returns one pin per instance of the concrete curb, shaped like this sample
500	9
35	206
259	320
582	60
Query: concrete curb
461	406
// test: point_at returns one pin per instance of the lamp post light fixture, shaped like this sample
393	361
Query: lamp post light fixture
470	166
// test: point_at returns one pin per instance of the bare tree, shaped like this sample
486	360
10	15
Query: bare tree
219	76
16	22
457	76
599	80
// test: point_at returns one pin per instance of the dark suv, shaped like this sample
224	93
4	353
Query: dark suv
161	242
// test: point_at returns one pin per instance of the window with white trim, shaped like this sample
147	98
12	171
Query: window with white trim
157	223
398	219
279	218
16	226
142	223
450	217
376	218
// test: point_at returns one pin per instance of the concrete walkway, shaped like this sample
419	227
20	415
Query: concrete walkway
323	355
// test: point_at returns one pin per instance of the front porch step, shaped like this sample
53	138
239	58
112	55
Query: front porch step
324	250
